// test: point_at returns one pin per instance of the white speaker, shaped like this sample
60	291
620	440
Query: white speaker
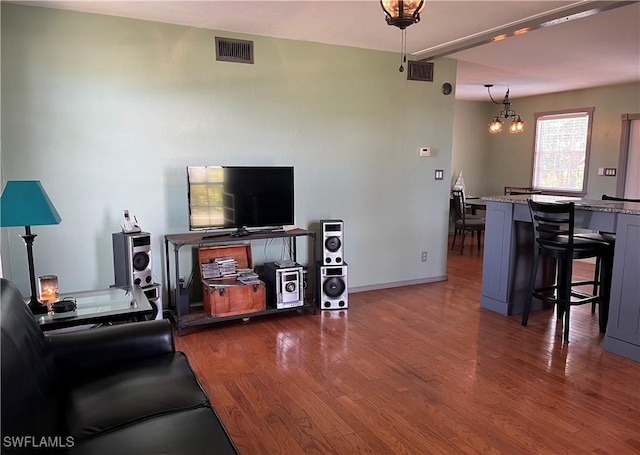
332	241
332	286
154	296
132	259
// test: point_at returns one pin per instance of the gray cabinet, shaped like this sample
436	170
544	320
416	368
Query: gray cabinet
623	331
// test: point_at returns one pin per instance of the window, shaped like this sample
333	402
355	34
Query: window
561	153
206	188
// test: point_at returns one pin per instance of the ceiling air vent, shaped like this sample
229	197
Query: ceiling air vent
234	50
420	71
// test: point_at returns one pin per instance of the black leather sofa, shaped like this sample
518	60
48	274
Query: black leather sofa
112	390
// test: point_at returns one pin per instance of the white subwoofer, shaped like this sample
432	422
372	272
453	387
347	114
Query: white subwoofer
332	286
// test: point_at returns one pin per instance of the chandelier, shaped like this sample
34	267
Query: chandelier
516	125
402	14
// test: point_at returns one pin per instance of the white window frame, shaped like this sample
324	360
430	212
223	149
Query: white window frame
551	115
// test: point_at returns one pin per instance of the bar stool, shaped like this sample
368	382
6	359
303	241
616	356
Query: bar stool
553	231
608	237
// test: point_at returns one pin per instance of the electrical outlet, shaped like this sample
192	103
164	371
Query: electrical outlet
423	256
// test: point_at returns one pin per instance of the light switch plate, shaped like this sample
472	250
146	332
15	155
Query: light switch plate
425	151
439	174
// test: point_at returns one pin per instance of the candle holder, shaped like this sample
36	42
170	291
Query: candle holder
48	289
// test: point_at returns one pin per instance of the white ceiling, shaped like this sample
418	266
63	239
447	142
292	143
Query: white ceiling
602	49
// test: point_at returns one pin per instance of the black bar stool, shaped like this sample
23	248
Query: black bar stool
608	237
553	231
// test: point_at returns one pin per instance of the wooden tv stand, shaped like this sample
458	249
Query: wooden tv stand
201	239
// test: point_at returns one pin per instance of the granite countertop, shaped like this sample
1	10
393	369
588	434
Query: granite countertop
596	205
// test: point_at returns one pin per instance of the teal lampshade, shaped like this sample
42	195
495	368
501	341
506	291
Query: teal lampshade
25	203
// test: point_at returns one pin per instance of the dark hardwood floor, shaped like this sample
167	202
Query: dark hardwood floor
419	370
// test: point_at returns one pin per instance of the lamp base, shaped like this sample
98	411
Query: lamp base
37	307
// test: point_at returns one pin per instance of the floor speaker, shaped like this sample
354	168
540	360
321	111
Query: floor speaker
154	296
332	286
132	259
332	241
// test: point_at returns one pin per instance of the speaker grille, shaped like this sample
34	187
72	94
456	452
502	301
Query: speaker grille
234	50
420	71
334	286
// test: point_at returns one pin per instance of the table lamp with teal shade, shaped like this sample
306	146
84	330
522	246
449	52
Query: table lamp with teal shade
25	203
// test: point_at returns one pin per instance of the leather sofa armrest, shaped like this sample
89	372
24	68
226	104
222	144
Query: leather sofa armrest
103	347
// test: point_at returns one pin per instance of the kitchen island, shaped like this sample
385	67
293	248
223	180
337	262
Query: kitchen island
508	255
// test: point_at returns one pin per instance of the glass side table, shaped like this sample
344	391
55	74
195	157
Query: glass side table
94	307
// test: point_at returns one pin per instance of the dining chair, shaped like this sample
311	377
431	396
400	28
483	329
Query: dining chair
516	190
464	222
554	237
606	197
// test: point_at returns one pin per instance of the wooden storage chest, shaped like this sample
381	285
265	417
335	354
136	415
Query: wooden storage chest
226	296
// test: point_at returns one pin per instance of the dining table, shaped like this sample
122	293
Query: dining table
475	203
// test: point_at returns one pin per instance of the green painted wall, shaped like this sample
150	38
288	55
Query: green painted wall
470	145
107	112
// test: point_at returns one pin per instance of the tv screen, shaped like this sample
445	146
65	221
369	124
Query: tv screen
240	196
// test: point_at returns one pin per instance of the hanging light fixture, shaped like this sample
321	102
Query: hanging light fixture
516	125
402	14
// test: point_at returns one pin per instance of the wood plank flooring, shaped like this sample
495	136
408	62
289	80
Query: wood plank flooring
419	370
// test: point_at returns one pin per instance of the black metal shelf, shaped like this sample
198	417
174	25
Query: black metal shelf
200	318
209	239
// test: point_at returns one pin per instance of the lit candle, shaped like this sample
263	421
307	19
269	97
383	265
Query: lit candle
48	288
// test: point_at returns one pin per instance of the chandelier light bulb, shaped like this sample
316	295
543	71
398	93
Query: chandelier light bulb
517	126
495	126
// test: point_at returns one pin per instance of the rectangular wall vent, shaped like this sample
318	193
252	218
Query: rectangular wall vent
420	71
234	50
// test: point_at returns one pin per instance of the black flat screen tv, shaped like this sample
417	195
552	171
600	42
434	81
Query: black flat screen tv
240	197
